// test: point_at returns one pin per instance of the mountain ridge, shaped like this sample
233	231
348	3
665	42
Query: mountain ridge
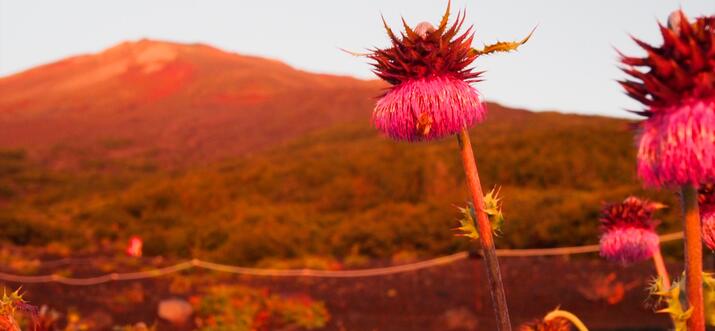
180	99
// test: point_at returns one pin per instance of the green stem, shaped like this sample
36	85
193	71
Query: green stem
569	316
693	257
496	286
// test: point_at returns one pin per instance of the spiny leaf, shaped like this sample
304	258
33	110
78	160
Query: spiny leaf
675	298
492	207
709	297
467	224
503	46
354	53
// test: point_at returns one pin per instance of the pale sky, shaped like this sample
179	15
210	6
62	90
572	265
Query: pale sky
569	65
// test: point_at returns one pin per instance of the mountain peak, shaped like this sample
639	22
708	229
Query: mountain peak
148	55
153	48
171	99
141	46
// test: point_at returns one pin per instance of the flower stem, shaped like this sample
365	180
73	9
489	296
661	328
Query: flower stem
693	257
660	268
569	316
496	286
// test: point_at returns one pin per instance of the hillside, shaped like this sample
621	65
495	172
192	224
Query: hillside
245	160
344	193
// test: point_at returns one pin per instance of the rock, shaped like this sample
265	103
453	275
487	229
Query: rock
176	311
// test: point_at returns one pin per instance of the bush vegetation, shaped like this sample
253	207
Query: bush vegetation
340	193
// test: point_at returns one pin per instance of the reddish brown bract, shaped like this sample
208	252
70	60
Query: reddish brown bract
706	195
426	52
632	212
683	67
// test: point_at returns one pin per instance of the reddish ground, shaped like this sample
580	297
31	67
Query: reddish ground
451	297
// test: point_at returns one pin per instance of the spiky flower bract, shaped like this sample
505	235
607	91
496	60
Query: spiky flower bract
556	324
706	200
555	320
428	68
629	230
676	83
9	305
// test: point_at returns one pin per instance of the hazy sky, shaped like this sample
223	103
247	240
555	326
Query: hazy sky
569	65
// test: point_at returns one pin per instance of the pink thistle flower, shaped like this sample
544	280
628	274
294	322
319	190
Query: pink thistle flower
676	83
431	96
629	230
428	108
706	200
677	145
629	245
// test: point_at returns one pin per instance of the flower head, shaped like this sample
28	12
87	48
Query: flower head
677	146
14	303
556	324
676	83
706	200
629	230
429	70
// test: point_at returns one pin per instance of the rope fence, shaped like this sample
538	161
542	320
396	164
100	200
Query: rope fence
373	272
571	250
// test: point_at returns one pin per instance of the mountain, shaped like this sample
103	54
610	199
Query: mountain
175	102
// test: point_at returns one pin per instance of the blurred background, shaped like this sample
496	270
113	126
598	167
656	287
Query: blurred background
237	132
